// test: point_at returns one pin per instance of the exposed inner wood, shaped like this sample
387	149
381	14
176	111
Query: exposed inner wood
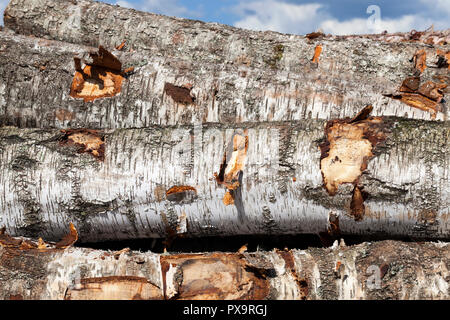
177	189
20	243
317	52
113	288
232	165
228	198
103	78
357	204
420	60
425	97
236	161
213	276
87	141
96	82
348	148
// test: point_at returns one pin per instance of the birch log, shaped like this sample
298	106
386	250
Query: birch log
276	165
265	178
379	270
192	72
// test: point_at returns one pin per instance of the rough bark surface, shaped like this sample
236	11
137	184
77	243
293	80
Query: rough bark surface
379	270
227	74
179	128
265	178
264	172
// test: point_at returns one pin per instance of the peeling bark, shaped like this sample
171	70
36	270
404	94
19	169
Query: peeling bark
218	179
178	128
380	270
188	72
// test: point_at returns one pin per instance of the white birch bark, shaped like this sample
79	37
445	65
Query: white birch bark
236	75
379	270
45	183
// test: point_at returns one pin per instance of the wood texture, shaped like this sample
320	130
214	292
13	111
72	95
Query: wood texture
232	75
154	182
135	125
380	270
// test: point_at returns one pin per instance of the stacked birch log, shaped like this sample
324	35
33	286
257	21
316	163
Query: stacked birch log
134	125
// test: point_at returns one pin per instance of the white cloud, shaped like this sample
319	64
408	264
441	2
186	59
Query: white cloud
166	7
3	4
442	6
278	16
360	26
304	18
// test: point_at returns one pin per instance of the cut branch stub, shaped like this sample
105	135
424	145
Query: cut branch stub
432	90
232	165
100	79
420	102
195	277
420	61
86	140
333	231
317	52
424	97
410	84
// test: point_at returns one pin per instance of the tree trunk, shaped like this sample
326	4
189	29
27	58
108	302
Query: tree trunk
179	128
189	72
379	270
278	170
360	177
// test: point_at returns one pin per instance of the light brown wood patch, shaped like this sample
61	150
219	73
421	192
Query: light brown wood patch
232	166
420	60
443	59
103	78
317	52
347	149
86	140
114	288
212	277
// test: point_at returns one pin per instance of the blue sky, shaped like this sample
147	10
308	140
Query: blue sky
304	16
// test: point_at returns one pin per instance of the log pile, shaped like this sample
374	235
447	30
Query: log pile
131	125
377	270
